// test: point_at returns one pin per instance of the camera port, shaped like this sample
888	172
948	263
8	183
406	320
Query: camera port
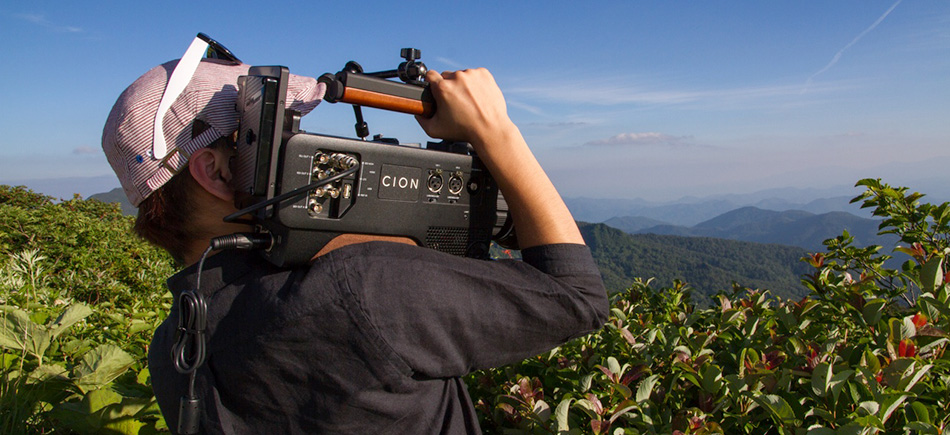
435	181
456	184
314	207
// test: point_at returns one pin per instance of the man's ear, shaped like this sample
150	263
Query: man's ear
210	168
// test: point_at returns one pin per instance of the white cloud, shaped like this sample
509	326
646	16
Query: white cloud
526	107
84	150
643	139
840	52
451	63
605	91
41	20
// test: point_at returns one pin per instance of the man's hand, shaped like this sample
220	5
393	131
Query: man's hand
469	104
471	108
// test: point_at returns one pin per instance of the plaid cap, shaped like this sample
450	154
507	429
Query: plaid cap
211	96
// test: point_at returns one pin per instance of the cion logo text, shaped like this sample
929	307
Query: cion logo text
400	183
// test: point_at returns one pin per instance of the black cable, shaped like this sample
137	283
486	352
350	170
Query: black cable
189	350
292	194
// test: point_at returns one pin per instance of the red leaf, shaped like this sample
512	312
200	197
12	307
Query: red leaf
598	407
906	349
599	426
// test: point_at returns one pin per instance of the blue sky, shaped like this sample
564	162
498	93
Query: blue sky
656	100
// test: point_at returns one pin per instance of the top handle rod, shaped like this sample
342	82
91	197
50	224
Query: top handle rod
363	90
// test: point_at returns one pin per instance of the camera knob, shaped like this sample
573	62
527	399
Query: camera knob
410	54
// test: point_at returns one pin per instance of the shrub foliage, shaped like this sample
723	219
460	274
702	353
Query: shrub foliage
79	298
865	352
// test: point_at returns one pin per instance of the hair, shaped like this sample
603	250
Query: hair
165	216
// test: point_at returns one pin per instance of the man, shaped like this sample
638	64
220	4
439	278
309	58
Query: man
372	336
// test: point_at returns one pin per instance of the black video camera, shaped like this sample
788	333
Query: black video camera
302	189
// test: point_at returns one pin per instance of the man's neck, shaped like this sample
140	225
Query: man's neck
210	223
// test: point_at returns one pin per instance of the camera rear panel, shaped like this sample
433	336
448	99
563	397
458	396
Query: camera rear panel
442	200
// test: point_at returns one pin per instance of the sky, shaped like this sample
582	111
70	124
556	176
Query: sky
654	100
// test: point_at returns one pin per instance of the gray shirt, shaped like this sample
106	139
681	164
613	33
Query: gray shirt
370	338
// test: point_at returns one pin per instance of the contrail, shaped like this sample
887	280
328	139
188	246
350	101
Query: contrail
837	55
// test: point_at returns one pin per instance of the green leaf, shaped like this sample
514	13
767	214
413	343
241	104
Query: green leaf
921	428
919	412
613	365
101	365
872	311
586	382
870	407
74	313
19	333
645	388
137	326
838	381
869	421
622	409
712	379
561	414
911	381
623	390
821	379
931	274
542	410
588	407
95	400
871	360
890	404
778	408
908	329
898	371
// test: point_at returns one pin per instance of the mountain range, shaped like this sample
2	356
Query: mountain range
692	211
791	227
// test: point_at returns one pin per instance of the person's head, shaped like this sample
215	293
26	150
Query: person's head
171	180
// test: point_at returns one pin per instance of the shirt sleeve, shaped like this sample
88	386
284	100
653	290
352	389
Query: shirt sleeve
446	316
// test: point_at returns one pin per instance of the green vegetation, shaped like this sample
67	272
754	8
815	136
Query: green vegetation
864	352
709	265
79	299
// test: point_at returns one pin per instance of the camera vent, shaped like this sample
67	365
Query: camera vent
451	240
460	241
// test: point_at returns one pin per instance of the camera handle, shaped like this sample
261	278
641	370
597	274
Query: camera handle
353	86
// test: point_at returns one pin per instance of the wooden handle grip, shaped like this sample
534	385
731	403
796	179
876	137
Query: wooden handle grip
363	97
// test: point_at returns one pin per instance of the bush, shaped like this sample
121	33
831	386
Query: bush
79	299
866	352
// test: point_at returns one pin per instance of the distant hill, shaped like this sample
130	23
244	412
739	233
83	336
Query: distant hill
65	188
117	195
690	211
632	224
793	228
709	265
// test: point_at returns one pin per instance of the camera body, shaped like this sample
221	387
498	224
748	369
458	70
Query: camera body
441	196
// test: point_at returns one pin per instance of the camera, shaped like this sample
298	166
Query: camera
302	189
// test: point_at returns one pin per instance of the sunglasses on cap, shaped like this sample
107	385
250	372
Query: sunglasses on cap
201	46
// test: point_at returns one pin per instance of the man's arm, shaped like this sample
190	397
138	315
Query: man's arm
471	108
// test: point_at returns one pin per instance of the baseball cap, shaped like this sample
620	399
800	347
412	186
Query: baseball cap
142	163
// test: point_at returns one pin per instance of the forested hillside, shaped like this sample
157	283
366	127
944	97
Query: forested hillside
708	265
